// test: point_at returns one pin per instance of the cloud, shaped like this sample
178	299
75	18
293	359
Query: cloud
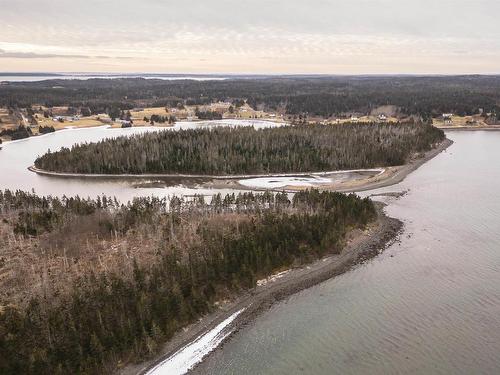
251	36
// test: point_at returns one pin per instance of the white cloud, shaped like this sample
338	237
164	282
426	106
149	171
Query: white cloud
255	36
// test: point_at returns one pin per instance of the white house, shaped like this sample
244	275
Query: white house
448	118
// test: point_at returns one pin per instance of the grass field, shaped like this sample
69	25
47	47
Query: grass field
6	120
460	121
84	122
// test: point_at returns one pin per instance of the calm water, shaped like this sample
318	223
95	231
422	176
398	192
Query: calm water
17	156
429	305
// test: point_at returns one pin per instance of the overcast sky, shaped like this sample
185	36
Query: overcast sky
257	36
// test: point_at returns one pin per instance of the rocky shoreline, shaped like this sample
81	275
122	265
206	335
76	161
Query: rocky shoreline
360	246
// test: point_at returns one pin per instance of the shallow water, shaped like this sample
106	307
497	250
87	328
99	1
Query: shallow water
17	156
428	305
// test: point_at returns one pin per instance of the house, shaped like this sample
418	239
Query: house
354	119
492	119
65	118
448	118
382	118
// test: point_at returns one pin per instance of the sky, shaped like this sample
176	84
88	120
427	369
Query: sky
254	37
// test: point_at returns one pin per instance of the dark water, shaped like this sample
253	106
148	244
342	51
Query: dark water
427	305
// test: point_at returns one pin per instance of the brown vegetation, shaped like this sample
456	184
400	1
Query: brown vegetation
88	283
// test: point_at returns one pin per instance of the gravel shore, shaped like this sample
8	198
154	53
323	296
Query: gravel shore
360	246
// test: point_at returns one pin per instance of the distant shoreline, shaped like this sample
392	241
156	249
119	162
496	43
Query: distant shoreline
469	128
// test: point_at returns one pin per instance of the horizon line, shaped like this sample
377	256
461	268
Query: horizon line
117	73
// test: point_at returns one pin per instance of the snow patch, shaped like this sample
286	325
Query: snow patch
184	360
278	182
272	278
308	180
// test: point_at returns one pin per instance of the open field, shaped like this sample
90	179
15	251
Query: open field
460	121
6	120
84	122
61	117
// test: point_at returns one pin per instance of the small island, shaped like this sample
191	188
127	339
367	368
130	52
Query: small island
229	153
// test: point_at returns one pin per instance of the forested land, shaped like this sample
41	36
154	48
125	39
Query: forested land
88	284
230	151
326	96
20	132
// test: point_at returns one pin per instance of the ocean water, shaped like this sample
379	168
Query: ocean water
430	304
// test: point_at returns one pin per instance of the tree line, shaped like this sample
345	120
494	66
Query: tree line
20	132
204	253
226	151
314	95
208	115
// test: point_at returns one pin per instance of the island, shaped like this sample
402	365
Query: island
228	157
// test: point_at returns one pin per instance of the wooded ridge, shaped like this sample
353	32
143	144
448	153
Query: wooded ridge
96	307
245	150
326	96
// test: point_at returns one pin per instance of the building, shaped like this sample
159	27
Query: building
382	118
448	118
